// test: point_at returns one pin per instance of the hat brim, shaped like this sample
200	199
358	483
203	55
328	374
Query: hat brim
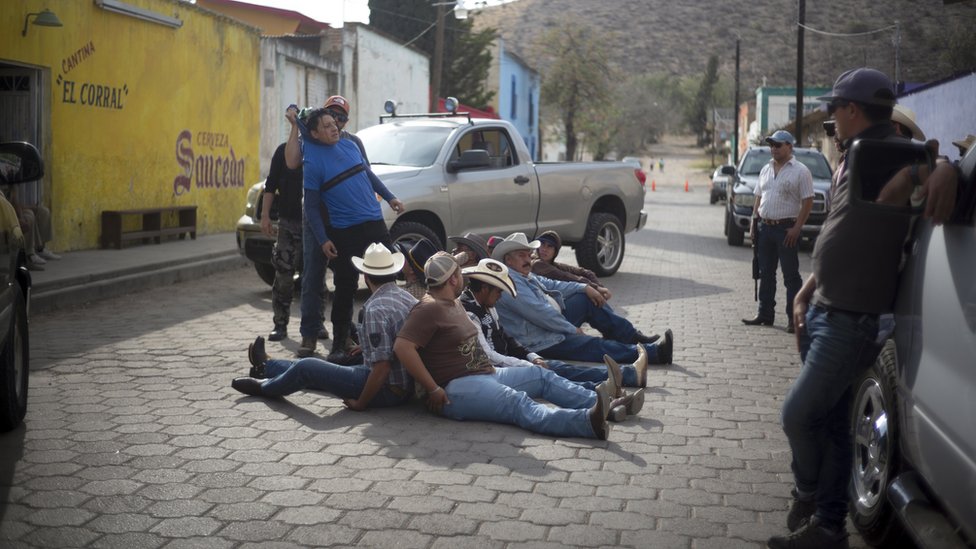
771	140
904	120
384	270
506	247
478	247
502	283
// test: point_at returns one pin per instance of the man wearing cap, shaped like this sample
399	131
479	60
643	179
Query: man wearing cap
382	381
544	264
472	244
439	346
547	314
784	196
337	182
854	280
487	281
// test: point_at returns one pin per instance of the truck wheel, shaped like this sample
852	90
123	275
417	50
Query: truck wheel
266	271
15	366
411	230
712	198
874	423
734	235
725	225
602	247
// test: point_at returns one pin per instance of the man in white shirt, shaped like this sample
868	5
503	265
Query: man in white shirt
784	196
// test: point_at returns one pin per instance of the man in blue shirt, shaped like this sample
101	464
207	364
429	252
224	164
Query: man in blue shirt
340	206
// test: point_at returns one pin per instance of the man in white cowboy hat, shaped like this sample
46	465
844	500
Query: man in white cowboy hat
382	381
441	348
487	281
547	314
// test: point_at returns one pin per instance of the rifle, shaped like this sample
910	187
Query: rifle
754	233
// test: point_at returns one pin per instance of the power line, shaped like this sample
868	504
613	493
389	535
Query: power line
840	34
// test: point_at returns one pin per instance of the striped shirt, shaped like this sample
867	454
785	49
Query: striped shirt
383	316
782	194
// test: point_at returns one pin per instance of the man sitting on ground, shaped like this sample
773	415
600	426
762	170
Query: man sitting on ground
544	264
484	290
438	345
384	382
547	315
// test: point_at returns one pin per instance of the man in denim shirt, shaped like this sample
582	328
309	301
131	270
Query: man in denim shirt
547	314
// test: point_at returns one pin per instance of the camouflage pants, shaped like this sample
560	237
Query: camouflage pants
286	258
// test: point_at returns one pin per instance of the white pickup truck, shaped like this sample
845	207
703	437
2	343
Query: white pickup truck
457	174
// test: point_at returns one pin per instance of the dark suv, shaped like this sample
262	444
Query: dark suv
738	211
19	163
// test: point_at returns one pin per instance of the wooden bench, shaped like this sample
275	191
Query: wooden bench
113	233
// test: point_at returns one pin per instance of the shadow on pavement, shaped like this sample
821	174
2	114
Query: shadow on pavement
11	450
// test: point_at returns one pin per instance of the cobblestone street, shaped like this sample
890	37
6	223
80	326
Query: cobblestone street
134	437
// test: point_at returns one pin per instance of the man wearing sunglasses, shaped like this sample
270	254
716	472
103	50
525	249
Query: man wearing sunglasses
784	196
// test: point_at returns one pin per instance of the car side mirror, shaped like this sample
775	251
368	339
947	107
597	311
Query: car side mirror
470	159
880	173
20	162
728	170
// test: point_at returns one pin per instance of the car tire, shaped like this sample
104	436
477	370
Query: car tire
412	230
725	225
602	247
876	459
15	365
733	234
266	271
712	198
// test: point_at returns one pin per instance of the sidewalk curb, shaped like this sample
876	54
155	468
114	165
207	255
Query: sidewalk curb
80	290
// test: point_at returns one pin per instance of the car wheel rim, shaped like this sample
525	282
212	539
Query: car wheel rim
608	242
871	446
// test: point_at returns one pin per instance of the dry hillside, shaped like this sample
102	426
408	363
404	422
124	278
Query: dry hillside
678	36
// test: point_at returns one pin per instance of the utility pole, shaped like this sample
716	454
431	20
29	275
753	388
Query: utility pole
435	84
799	73
735	110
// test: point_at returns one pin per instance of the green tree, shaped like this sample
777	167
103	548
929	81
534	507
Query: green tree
576	76
467	54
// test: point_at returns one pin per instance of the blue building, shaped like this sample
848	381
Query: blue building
517	87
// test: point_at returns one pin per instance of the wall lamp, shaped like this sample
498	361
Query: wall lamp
44	18
116	6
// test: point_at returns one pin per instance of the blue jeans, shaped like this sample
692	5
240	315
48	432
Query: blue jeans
836	349
772	248
591	376
580	309
506	396
587	348
313	283
286	377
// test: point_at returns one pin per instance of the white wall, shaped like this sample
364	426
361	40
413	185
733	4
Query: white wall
377	68
945	111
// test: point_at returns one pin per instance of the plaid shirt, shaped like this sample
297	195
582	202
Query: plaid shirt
383	316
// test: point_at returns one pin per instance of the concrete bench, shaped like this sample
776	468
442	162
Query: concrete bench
152	228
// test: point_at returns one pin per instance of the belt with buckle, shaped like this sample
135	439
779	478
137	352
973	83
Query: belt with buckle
790	220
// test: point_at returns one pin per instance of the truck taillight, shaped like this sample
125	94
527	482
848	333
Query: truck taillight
641	176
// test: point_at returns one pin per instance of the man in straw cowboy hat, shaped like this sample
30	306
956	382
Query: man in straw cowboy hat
382	381
440	347
547	315
487	281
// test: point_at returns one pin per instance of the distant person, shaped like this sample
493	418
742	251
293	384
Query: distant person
784	197
382	381
35	223
660	165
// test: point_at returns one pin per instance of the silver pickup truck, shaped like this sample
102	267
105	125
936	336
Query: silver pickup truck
457	174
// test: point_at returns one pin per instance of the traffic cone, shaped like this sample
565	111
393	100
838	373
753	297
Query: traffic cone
686	185
653	186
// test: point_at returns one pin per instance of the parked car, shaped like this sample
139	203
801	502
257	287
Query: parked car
738	211
720	181
457	174
913	420
19	163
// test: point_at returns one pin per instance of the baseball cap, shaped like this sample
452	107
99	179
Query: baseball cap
781	136
863	85
439	268
337	101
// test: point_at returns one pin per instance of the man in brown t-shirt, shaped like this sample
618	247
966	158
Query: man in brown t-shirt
439	347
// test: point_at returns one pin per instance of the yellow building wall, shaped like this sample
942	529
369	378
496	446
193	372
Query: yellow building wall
141	114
